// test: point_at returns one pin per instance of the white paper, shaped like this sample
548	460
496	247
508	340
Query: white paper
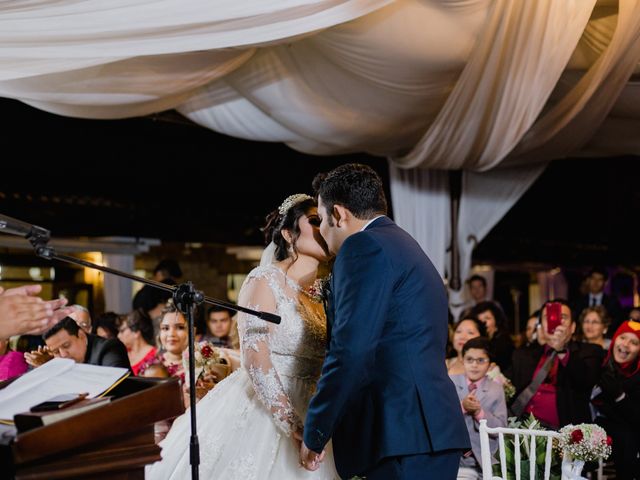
56	377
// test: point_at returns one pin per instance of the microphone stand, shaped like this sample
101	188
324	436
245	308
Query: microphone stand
185	297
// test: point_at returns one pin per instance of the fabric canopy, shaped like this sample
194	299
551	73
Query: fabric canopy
430	84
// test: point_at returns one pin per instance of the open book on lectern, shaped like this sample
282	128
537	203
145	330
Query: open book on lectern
57	377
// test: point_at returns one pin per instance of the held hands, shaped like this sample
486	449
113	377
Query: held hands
309	459
471	404
38	357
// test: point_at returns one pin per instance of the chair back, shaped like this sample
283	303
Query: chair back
521	438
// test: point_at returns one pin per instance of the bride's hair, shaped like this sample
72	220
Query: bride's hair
276	222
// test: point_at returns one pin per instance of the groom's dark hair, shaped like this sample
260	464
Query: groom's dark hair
356	187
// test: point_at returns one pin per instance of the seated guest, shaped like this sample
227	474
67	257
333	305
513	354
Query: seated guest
151	299
595	283
495	321
12	364
82	317
106	325
67	340
594	322
174	340
616	398
480	398
155	304
220	326
136	332
530	333
554	381
634	314
466	329
477	288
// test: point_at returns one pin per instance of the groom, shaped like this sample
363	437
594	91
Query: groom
384	395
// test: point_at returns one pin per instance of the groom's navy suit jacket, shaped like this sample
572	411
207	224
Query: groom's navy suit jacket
384	389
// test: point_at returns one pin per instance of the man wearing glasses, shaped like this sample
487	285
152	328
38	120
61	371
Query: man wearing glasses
82	317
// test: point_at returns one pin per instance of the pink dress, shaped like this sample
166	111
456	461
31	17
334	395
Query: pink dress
12	364
139	367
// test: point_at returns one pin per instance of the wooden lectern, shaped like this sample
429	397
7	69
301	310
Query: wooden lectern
114	441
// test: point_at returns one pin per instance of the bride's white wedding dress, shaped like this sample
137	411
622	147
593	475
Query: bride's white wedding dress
245	422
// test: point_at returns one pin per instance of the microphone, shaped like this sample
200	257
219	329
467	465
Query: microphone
15	227
38	236
269	317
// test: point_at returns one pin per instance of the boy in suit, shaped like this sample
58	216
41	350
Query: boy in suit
480	398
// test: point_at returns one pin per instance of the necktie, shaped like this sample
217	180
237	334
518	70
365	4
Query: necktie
472	387
593	301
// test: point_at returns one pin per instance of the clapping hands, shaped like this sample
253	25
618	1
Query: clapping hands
38	357
471	404
23	312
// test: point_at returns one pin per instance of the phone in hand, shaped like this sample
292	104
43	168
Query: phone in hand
554	316
58	402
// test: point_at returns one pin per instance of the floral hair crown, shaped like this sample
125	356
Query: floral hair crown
291	201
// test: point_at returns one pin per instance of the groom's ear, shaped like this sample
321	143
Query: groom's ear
340	214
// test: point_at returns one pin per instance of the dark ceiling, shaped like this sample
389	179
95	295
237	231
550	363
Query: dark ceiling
163	177
579	212
159	177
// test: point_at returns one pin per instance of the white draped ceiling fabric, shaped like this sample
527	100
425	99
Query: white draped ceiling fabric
496	88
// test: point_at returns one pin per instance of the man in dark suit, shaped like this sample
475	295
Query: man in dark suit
596	281
384	396
563	396
67	340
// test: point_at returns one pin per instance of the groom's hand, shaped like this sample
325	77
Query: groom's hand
310	459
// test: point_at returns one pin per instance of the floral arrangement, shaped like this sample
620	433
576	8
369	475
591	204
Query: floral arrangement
319	290
496	375
206	358
585	442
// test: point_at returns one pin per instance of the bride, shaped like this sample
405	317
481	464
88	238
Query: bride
250	424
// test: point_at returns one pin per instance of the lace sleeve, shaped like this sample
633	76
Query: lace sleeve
256	355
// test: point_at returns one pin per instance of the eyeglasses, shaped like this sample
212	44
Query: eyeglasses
592	322
479	361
